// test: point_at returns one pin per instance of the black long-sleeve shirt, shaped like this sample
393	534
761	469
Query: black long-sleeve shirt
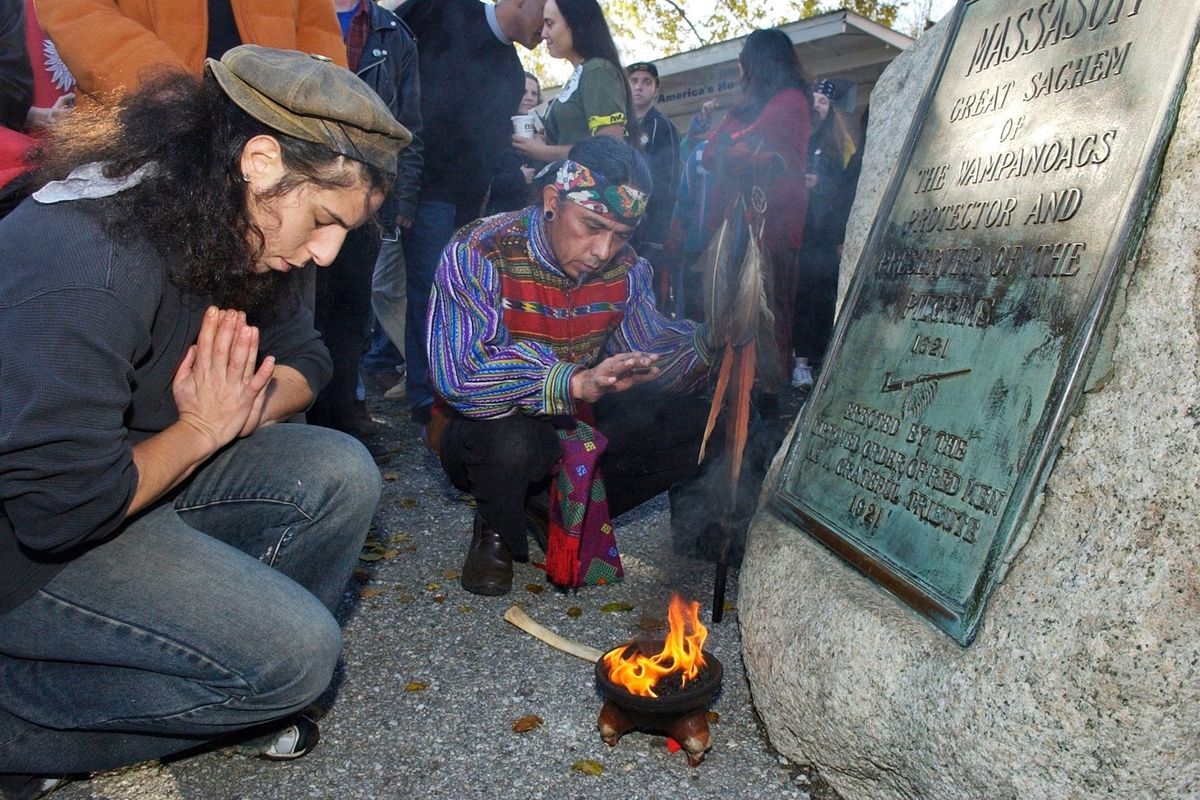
91	332
471	84
660	143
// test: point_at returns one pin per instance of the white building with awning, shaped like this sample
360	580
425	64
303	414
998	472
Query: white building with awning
839	45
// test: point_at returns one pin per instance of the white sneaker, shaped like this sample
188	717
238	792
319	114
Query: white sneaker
802	377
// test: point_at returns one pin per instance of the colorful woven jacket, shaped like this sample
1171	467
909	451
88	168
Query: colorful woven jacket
507	328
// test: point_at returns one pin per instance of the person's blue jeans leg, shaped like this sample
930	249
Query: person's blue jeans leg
382	355
424	242
309	496
389	293
202	617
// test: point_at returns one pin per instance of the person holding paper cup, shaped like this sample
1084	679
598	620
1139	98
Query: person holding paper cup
510	188
526	123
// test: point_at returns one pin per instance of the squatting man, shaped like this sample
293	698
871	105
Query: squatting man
557	379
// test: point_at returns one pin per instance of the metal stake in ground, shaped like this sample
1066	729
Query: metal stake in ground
723	546
736	289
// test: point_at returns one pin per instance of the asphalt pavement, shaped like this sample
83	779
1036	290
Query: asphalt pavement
433	679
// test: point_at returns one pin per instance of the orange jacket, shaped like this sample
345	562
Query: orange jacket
108	44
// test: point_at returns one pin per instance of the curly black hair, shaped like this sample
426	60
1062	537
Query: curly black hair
192	206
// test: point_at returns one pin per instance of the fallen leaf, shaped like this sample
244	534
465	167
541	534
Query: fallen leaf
361	574
396	538
371	592
392	553
534	588
574	612
465	609
528	723
432	587
404	598
587	767
612	608
407	502
390	476
416	686
439	598
451	574
713	717
729	606
650	624
372	551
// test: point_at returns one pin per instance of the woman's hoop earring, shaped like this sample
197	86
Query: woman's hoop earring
548	214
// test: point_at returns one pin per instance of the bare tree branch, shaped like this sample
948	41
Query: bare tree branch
683	14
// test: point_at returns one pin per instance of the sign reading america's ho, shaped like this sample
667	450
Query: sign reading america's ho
969	327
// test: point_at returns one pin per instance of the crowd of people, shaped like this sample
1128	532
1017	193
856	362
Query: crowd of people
224	225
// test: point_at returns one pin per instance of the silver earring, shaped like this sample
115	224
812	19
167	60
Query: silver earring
246	177
549	214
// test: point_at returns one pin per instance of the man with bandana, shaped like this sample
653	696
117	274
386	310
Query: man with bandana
558	380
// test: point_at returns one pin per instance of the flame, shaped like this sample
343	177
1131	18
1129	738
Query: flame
682	652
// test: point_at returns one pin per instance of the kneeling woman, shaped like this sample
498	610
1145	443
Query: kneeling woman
169	556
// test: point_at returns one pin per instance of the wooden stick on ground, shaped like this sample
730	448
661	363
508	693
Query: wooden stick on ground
517	616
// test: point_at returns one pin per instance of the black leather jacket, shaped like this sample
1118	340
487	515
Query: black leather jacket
389	66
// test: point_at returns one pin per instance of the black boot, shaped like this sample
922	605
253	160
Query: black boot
488	569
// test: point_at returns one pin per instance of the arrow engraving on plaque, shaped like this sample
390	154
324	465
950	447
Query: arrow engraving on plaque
890	385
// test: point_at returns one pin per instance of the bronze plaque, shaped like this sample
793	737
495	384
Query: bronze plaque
967	333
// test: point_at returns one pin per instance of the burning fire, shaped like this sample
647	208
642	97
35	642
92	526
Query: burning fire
683	652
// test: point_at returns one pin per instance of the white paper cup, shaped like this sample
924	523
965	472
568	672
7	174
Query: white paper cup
524	125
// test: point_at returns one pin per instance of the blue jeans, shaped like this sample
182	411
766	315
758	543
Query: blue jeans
433	226
208	614
382	356
389	294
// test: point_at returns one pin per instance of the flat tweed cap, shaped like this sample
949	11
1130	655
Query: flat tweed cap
311	98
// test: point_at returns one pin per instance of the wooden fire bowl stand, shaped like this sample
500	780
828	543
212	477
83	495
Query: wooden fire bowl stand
682	716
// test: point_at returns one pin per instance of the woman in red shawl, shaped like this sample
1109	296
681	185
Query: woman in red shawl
764	142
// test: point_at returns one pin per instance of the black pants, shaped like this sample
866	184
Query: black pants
816	297
342	315
653	442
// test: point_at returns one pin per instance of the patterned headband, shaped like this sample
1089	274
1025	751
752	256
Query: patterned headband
827	88
617	201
